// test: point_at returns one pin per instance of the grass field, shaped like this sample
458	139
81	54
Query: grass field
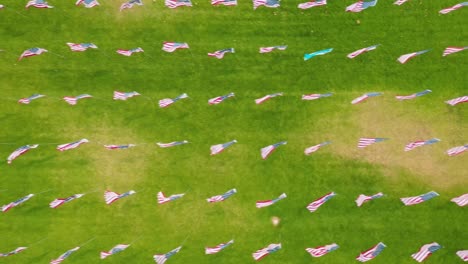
340	167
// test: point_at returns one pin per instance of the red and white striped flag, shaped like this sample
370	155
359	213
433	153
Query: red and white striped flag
64	256
28	100
457	100
412	96
60	201
173	46
312	149
74	100
218	148
130	51
457	150
114	250
32	52
406	57
425	251
419	143
219	99
124	95
38	4
163	199
451	50
463	254
365	142
311	4
418	199
461	200
270	49
265	203
87	3
261	253
163	103
72	145
219	54
358	52
218	248
267	97
111	197
371	253
313	206
400	2
453	8
362	198
20	151
322	250
266	151
14	252
176	3
21	200
171	144
221	197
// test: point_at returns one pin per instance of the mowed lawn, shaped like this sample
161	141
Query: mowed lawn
147	169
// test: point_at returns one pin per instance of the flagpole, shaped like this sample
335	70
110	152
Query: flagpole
87	242
45	191
61	56
38	241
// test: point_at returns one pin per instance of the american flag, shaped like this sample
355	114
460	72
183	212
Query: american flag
457	150
261	253
267	97
87	3
38	4
313	206
32	52
419	143
64	256
418	199
81	46
129	52
450	50
177	3
270	49
356	53
14	252
221	197
267	3
400	2
458	100
425	251
360	5
114	250
218	248
265	203
124	95
119	146
453	8
163	199
308	56
72	145
266	151
130	4
111	197
168	101
309	97
161	258
463	254
20	151
224	2
412	96
310	4
173	46
461	200
406	57
220	53
362	198
28	100
312	149
364	97
322	250
74	100
16	203
371	253
216	149
219	99
364	142
60	201
171	144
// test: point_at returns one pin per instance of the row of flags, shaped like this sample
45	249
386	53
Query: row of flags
356	7
219	54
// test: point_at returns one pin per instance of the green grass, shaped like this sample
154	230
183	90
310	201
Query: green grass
148	169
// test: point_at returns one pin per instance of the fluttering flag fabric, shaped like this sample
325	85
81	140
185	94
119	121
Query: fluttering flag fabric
74	100
38	4
371	253
219	99
463	254
310	97
111	147
453	8
418	199
81	46
312	149
267	3
263	252
129	52
308	56
72	145
218	248
124	95
163	199
168	101
64	256
415	144
87	3
322	250
270	49
220	53
360	5
365	142
32	52
60	201
265	203
267	97
358	52
458	100
14	252
313	206
161	258
173	46
451	50
406	57
364	97
21	200
28	100
266	151
177	3
457	150
362	198
111	197
461	200
412	96
218	148
221	197
425	251
130	4
20	151
114	250
400	2
312	3
224	2
171	144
